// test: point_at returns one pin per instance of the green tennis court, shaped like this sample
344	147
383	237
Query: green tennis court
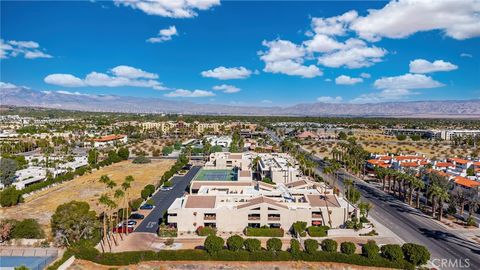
216	175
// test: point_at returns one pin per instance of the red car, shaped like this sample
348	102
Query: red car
123	229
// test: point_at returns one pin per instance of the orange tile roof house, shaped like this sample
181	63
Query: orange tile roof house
109	140
466	183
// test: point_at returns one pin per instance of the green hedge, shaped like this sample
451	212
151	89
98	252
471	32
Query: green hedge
267	232
318	231
133	257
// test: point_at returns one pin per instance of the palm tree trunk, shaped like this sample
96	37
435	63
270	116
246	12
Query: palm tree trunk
418	198
440	210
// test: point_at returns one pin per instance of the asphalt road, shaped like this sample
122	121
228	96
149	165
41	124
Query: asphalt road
163	200
414	226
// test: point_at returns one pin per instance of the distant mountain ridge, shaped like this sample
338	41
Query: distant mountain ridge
21	96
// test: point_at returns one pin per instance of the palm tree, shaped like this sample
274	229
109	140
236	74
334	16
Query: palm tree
473	202
460	197
104	201
417	184
434	191
118	195
442	197
126	185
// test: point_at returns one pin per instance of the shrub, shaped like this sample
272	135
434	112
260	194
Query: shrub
123	153
370	249
415	254
364	219
135	204
329	245
213	244
264	231
27	228
311	245
295	247
348	248
318	231
392	252
274	244
235	243
141	160
165	231
299	228
167	184
150	201
206	231
10	196
145	194
150	188
252	244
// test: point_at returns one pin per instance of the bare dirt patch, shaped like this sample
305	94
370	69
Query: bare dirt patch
42	205
202	265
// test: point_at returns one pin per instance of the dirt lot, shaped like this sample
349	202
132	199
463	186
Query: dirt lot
199	265
87	188
375	142
150	146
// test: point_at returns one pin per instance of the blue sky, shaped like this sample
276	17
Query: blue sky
246	52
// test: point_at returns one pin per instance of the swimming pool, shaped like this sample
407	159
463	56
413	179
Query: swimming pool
33	263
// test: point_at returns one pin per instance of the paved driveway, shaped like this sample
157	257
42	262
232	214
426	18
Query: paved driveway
163	200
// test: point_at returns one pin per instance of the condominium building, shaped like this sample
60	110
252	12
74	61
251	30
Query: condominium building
279	167
232	208
110	140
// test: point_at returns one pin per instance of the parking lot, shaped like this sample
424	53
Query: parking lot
163	199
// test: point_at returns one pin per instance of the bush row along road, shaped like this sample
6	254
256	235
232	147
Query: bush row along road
163	200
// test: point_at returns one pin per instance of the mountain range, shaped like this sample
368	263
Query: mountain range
22	96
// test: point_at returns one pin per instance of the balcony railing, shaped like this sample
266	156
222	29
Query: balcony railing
253	218
274	218
210	217
316	215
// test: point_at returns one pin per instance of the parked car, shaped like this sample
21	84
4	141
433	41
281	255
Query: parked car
129	223
147	207
166	188
123	229
136	216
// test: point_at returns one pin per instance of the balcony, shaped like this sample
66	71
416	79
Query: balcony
254	217
210	217
316	215
274	217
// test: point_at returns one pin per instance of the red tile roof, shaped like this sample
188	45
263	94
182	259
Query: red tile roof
109	138
459	160
445	164
459	180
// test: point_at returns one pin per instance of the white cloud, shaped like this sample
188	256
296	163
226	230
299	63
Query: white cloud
132	73
327	99
66	80
353	56
466	55
335	26
280	50
407	81
29	49
170	8
227	88
424	66
164	35
323	43
286	57
122	76
266	101
400	19
328	80
4	85
188	93
223	73
347	80
365	75
290	67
